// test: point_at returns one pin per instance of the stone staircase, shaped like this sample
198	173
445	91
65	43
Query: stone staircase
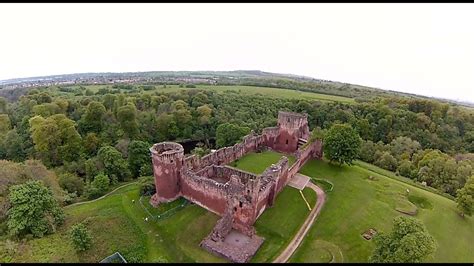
301	142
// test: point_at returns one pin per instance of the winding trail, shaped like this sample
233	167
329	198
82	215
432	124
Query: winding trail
84	202
298	238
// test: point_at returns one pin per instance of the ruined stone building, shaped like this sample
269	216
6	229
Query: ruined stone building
237	196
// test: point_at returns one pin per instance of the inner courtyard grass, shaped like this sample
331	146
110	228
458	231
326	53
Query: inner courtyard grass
358	203
257	162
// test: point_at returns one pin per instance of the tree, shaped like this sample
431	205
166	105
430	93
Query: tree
3	105
98	187
71	183
33	210
406	169
199	99
205	113
147	185
91	121
14	147
200	151
409	242
342	143
80	237
465	198
138	157
127	117
114	165
91	143
56	138
229	134
89	92
5	124
367	151
387	161
404	147
439	170
166	127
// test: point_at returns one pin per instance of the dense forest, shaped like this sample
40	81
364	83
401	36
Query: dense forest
83	141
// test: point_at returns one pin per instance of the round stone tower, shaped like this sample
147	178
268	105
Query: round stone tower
167	158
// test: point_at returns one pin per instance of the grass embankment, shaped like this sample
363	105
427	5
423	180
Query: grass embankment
403	179
358	203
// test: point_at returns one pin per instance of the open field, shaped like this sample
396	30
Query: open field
357	204
245	90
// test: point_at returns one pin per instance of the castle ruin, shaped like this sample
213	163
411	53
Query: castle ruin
238	197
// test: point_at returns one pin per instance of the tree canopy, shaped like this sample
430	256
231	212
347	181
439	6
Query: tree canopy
408	242
465	198
342	143
228	134
33	210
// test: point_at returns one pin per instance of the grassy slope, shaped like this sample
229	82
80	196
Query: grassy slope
381	171
357	204
117	224
280	223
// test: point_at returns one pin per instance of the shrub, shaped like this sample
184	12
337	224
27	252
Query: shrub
147	185
80	237
33	210
71	183
98	187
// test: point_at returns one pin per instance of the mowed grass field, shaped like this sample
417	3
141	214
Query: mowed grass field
117	223
245	90
358	203
257	162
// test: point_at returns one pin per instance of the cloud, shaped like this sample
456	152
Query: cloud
419	48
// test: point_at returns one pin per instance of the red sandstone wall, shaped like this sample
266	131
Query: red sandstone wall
214	196
227	155
286	142
166	178
206	193
263	201
282	179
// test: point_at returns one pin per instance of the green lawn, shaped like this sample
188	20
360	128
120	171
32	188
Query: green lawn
117	224
246	90
257	162
280	223
280	93
357	204
381	171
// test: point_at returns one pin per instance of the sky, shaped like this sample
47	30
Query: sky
426	49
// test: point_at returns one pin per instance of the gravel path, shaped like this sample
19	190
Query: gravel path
298	238
84	202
